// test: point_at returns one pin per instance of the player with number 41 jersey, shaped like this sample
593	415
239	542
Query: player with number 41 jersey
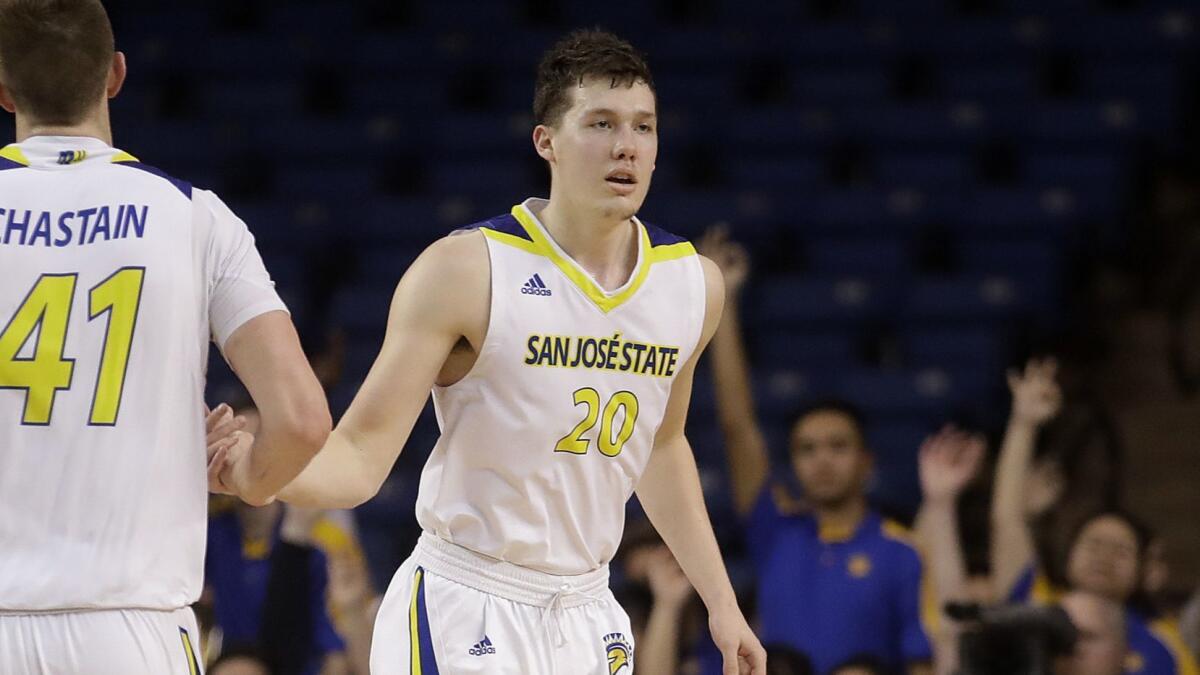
114	278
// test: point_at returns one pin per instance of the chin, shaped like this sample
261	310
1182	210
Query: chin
621	208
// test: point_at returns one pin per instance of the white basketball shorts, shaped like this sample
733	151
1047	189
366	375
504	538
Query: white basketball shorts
450	611
101	642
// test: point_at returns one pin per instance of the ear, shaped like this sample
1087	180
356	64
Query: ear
116	75
543	142
6	101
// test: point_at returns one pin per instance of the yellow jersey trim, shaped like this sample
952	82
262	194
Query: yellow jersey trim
512	240
571	270
671	252
1044	592
14	154
123	156
1167	632
414	640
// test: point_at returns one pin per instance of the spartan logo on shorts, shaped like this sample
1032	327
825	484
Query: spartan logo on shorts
620	654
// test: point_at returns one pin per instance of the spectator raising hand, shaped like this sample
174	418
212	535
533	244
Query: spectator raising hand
948	462
729	255
1036	399
671	590
743	435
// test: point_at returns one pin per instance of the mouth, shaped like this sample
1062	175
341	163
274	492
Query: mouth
621	177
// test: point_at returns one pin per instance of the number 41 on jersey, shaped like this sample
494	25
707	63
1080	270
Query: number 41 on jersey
46	311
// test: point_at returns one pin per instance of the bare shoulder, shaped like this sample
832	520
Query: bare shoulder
714	286
450	280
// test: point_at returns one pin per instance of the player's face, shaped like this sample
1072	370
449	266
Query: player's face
829	458
1104	559
602	152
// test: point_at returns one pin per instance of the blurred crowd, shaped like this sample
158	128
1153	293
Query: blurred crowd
1016	562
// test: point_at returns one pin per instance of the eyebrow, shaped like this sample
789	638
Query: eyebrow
643	114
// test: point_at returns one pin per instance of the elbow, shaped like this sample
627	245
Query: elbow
358	493
306	427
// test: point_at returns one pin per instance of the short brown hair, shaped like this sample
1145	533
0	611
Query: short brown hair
582	54
55	56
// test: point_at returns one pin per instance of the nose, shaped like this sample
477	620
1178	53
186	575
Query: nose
624	146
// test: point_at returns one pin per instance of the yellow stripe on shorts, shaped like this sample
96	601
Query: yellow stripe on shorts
193	665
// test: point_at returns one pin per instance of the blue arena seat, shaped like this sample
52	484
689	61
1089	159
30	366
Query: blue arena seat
884	260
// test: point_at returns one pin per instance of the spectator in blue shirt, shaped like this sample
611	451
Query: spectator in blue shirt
269	590
1105	553
836	581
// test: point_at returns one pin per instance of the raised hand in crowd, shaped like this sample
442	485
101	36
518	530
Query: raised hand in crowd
948	461
1036	399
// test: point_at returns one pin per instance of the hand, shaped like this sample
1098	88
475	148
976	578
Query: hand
741	651
730	257
948	461
668	584
220	425
1037	398
229	456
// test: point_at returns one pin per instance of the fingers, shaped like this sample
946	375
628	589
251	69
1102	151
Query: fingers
730	665
225	426
216	465
754	659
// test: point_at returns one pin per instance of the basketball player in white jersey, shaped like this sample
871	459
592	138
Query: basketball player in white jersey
560	342
113	278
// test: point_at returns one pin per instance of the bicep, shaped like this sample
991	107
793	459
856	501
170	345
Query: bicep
266	355
442	295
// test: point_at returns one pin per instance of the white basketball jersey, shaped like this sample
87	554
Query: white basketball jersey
114	277
545	439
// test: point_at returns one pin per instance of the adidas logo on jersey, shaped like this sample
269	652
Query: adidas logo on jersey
483	647
535	286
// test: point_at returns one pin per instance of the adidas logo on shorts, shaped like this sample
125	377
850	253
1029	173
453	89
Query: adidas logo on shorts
483	647
535	286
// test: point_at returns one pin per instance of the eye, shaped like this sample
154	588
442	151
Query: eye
602	124
645	128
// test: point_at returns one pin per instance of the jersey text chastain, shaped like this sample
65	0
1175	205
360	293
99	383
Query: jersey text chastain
24	227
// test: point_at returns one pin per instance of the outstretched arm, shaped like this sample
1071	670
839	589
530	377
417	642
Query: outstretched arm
265	354
669	491
948	462
745	446
443	297
1036	400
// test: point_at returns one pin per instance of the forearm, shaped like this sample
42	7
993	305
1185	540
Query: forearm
1012	541
937	532
658	652
670	493
276	459
339	477
744	443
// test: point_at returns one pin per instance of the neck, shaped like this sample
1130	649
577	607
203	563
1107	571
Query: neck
843	516
604	245
95	125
